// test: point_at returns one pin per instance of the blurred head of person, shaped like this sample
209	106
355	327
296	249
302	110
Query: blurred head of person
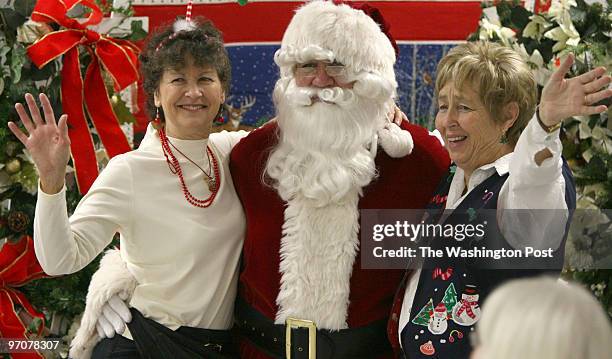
541	318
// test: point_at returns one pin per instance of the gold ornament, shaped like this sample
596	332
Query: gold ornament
13	166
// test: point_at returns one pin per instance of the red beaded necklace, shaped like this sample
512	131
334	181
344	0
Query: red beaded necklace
175	168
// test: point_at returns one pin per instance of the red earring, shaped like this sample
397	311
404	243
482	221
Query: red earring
156	122
219	118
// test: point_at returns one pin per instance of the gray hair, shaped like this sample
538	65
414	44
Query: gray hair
537	318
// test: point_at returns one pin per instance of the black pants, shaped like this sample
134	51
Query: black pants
115	347
155	341
122	348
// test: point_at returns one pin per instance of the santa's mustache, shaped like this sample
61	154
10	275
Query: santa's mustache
307	96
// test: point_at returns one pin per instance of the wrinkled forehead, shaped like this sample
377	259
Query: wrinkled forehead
465	91
462	87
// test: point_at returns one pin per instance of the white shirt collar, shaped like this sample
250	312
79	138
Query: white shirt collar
455	197
192	148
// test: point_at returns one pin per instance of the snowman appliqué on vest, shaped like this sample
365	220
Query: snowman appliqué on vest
464	312
438	322
467	311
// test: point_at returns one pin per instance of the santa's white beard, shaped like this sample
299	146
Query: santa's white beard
326	137
319	167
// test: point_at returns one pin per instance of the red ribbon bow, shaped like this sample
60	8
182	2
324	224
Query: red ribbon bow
18	265
467	306
437	272
119	58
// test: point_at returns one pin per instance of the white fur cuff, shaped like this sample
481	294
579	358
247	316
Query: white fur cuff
112	278
395	141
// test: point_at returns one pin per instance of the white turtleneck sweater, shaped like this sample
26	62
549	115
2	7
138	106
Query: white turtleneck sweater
184	258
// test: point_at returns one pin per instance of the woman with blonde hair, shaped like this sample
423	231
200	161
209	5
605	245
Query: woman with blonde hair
508	175
542	318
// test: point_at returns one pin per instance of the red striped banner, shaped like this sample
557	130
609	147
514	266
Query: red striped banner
266	21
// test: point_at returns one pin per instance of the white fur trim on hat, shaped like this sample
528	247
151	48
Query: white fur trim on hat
395	141
352	37
112	278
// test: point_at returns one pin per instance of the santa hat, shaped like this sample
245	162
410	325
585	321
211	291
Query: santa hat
321	31
440	308
470	289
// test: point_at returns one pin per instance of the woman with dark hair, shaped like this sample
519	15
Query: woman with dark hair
172	200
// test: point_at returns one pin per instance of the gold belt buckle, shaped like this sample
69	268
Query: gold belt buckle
293	323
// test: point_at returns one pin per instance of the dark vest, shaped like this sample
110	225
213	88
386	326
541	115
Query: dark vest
451	290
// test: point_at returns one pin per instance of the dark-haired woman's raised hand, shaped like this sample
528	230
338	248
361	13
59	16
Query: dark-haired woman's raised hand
46	140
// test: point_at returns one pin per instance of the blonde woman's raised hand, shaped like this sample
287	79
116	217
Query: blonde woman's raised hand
563	98
46	140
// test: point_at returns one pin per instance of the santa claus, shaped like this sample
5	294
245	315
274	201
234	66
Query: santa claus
303	180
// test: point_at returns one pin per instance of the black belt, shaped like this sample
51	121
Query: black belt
364	342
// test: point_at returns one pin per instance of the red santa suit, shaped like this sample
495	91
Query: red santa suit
406	182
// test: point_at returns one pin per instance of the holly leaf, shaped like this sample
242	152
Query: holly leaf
122	112
34	325
18	58
25	7
12	19
4	50
577	15
591	30
40	74
520	17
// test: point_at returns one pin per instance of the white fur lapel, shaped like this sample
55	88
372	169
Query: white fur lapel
318	249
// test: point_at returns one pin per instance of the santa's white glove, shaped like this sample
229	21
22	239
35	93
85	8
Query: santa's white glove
395	142
115	314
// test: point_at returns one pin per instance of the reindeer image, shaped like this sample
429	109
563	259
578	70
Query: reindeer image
235	115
